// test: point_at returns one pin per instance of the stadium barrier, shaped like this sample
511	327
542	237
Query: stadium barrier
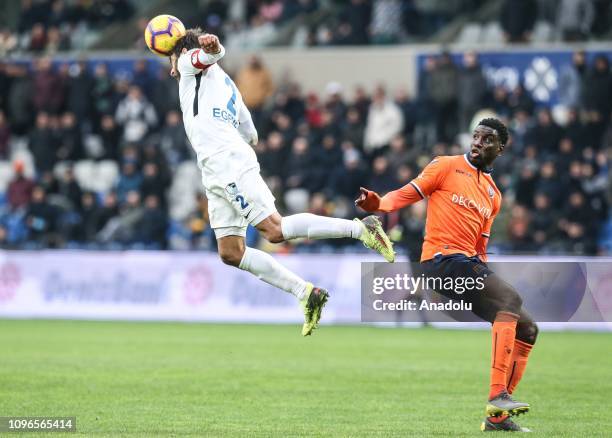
183	286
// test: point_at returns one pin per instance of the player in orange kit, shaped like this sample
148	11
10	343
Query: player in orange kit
463	202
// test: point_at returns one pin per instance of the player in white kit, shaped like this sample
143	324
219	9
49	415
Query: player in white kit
221	131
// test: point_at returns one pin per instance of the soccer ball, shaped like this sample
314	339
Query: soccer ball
162	33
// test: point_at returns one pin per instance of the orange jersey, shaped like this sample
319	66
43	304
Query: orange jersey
463	202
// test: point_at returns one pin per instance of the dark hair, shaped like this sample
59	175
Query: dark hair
189	41
498	125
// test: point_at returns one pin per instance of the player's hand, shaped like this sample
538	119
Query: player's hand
210	43
368	200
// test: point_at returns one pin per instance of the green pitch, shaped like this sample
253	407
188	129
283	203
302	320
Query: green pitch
146	379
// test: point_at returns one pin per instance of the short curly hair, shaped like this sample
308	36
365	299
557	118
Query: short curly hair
188	41
499	126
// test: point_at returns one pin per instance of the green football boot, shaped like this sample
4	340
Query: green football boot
374	237
312	305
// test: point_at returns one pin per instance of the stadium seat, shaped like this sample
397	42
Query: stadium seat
107	175
542	32
470	33
296	200
85	174
492	33
6	174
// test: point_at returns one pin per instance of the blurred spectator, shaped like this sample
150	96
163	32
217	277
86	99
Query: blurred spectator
354	21
574	19
37	38
517	19
48	91
385	120
153	184
41	218
5	136
70	189
130	180
87	226
299	166
69	141
124	228
382	179
42	143
109	209
410	110
399	153
56	41
8	42
109	137
598	88
546	134
472	89
102	93
442	88
347	178
255	84
173	141
164	93
136	114
151	228
572	80
19	191
80	84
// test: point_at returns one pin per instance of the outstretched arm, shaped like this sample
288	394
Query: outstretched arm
422	186
370	201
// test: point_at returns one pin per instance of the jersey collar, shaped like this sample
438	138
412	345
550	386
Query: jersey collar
467	160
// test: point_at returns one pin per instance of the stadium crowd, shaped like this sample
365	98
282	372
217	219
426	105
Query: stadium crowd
315	151
49	26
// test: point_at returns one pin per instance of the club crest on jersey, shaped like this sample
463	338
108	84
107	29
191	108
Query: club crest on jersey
231	189
491	192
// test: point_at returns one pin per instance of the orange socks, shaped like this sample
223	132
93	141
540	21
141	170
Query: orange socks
520	354
504	330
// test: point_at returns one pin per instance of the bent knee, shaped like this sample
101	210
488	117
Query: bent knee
231	257
274	234
527	332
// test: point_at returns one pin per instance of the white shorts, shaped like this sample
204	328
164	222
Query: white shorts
237	194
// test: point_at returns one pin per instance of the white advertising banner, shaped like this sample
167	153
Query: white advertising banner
193	286
167	286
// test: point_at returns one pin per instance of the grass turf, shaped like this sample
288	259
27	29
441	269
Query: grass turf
146	379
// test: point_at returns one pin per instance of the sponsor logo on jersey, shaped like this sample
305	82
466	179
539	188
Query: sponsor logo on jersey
463	172
225	116
463	201
491	192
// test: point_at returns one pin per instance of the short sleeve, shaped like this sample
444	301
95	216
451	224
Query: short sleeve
430	179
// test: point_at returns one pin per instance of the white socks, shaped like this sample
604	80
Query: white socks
311	226
266	268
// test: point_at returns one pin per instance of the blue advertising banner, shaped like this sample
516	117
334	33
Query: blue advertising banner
538	71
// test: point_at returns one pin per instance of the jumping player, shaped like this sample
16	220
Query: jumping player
463	202
221	131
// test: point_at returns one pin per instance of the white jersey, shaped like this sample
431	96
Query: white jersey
215	117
